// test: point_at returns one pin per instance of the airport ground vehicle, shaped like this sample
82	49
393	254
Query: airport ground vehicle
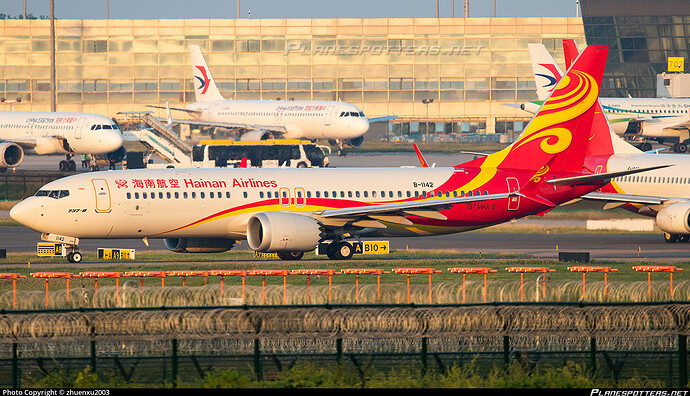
262	154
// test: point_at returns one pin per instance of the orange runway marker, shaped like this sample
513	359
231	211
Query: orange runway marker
366	271
469	270
14	278
523	271
410	271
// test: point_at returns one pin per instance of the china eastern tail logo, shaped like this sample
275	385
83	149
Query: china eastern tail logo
553	77
202	81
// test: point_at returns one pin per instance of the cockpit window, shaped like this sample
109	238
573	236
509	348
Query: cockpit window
361	114
344	114
107	127
354	114
57	194
95	127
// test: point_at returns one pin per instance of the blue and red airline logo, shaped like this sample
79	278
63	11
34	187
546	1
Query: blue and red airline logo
203	81
553	77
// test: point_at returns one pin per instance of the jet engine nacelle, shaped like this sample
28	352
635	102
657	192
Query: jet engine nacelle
271	232
356	142
255	136
674	219
530	107
199	245
10	155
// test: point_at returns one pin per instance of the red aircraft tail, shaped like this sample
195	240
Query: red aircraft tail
558	136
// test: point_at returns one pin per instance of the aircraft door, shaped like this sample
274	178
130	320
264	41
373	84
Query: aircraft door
513	186
328	115
102	191
284	199
79	127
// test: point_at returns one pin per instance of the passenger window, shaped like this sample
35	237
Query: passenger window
177	195
349	194
325	194
261	194
168	194
193	194
184	194
245	194
366	194
227	194
342	194
144	195
318	194
129	195
160	195
202	195
136	195
211	194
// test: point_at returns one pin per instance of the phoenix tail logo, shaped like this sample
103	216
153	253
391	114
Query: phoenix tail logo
202	81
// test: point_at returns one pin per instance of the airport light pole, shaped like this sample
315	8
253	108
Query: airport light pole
53	99
427	102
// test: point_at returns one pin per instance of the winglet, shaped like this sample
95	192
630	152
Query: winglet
420	156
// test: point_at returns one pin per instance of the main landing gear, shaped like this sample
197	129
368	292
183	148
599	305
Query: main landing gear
336	250
68	164
673	238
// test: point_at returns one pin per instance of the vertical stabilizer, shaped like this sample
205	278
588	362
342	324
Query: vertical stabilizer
205	88
558	135
546	71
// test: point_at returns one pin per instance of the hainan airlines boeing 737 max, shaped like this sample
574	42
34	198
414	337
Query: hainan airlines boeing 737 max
47	133
290	211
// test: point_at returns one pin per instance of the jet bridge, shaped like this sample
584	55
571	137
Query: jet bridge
157	137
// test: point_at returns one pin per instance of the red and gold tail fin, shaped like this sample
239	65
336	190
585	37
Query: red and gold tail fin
570	52
558	135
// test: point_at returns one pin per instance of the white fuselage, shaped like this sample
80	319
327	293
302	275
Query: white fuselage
669	182
660	114
299	119
207	202
60	133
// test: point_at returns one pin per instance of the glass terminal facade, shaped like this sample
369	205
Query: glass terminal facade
641	36
469	67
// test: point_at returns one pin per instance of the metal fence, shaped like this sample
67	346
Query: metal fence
156	346
20	184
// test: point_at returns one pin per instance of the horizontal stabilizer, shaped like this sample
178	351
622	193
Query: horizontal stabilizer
625	198
585	179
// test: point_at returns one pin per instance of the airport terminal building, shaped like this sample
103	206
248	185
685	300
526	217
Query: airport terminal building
453	75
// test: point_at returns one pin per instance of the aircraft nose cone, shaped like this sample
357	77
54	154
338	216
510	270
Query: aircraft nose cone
114	141
24	213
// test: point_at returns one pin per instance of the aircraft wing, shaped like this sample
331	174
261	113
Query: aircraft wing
382	119
428	208
32	142
176	108
228	125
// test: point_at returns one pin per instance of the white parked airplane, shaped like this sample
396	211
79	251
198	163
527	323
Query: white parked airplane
290	211
254	120
665	120
45	133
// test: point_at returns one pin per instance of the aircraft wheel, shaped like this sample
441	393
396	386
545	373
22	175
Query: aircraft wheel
682	148
670	238
290	255
302	164
76	257
71	165
340	250
63	166
683	238
646	146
